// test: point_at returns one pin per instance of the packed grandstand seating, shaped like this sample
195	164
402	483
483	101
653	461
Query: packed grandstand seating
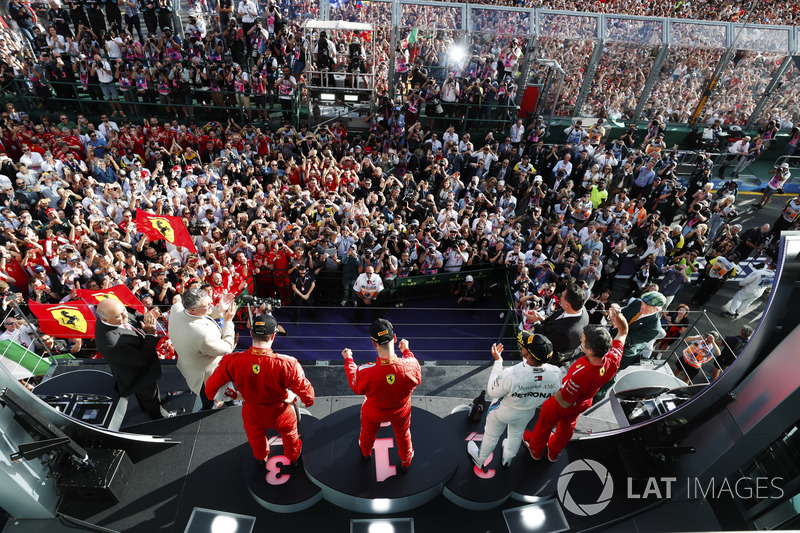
128	116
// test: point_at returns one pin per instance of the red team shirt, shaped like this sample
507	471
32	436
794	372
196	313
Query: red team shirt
584	379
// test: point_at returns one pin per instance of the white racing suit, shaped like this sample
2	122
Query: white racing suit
517	392
752	287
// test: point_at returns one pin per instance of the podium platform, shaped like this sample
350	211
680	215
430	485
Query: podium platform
332	460
279	487
471	487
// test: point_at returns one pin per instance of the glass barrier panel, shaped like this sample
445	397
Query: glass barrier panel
433	40
783	106
761	39
695	51
500	23
440	17
569	40
619	79
741	85
634	31
377	13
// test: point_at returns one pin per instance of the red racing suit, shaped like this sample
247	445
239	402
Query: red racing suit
578	387
263	378
387	385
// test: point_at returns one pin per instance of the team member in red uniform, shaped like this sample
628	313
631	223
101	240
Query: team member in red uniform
583	380
265	381
387	384
278	263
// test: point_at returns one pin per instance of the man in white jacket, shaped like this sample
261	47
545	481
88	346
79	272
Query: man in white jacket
751	288
199	340
517	392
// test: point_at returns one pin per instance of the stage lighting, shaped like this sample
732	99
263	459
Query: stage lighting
351	98
327	97
457	53
212	521
381	505
546	516
382	525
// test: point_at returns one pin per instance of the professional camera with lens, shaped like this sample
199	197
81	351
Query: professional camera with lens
269	304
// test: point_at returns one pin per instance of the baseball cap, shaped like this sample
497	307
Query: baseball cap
538	345
469	279
38	268
784	165
264	325
51	211
177	167
381	331
654	298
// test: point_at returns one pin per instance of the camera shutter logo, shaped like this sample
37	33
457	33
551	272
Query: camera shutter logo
585	509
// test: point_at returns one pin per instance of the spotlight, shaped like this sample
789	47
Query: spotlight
382	525
539	517
212	521
457	53
327	97
351	98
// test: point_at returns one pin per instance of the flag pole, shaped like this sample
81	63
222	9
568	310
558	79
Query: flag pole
36	333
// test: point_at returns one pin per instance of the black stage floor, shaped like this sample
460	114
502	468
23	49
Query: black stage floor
206	471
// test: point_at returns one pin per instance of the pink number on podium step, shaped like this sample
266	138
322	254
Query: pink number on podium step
383	469
274	475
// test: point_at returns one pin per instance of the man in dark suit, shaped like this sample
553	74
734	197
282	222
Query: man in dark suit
564	327
131	352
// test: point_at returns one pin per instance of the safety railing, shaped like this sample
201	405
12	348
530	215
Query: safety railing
197	103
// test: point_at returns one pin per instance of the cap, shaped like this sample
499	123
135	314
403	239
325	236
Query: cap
189	168
539	346
38	268
381	331
654	298
264	325
177	167
51	211
785	165
469	279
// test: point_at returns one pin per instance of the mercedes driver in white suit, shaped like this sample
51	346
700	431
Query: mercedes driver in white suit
199	340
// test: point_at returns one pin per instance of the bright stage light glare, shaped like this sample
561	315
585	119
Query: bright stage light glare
457	53
533	517
381	527
224	524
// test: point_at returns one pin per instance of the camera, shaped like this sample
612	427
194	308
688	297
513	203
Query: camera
268	303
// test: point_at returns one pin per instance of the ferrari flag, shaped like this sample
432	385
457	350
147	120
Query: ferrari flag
172	229
67	321
118	292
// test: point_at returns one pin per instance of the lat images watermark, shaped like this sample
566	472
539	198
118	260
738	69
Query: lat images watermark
743	488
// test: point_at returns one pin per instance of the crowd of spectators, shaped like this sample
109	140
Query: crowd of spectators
233	54
304	212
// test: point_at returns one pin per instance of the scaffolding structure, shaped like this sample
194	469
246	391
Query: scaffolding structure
344	89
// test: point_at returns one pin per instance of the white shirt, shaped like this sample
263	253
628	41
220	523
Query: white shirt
104	74
33	161
369	287
248	11
516	133
20	335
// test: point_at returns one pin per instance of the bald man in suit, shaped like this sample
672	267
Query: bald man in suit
129	346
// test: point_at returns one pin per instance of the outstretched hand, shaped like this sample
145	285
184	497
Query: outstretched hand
497	352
